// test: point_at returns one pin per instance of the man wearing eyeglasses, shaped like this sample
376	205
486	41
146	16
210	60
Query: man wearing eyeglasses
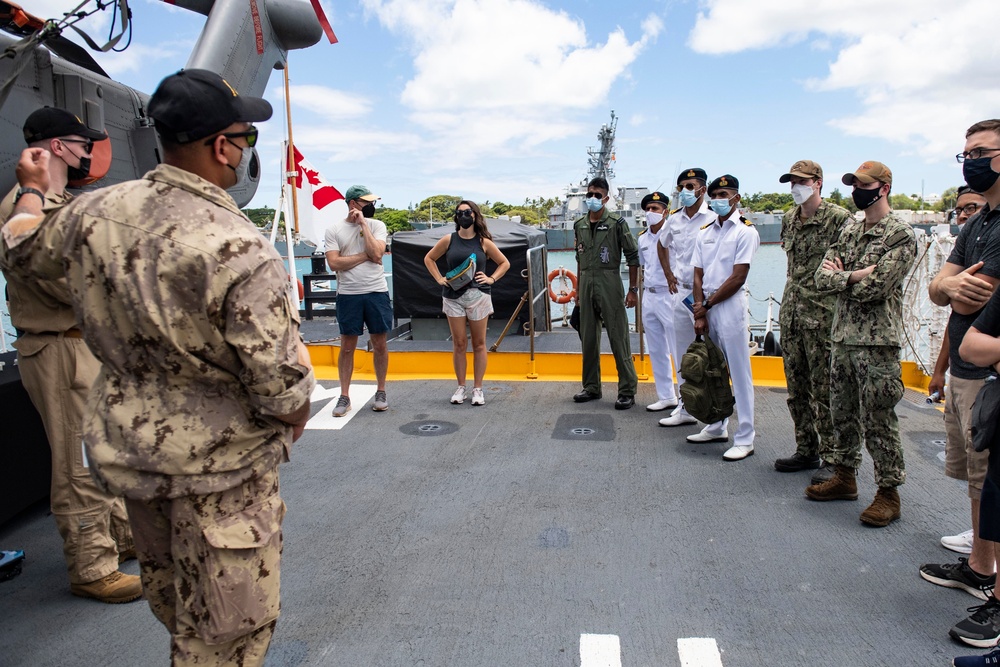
865	268
601	239
807	231
57	370
675	251
204	381
966	282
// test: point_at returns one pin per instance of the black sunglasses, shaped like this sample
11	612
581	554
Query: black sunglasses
595	195
250	135
465	213
88	144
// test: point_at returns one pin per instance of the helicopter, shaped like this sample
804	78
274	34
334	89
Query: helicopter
242	40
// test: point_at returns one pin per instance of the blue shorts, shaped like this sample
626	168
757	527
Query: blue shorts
356	311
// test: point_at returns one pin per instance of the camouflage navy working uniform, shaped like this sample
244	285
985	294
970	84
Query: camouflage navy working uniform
187	308
806	317
865	382
599	249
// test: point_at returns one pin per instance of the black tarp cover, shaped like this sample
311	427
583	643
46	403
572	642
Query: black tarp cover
415	294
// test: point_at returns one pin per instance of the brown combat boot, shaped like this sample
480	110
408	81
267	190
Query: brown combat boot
884	509
842	486
115	588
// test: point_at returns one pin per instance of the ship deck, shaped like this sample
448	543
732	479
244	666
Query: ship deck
537	531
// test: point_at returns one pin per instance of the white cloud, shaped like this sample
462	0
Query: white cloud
495	77
919	70
328	102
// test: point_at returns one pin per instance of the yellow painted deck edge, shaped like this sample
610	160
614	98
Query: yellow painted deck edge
547	367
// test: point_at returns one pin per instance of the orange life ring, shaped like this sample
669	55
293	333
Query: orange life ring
563	296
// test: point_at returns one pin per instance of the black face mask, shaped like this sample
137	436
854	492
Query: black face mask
368	210
979	174
465	219
78	173
865	198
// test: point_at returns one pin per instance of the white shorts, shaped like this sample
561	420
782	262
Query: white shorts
473	304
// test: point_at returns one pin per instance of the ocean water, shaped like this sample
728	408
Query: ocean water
767	276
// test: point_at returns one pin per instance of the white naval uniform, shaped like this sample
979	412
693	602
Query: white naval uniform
718	248
678	236
658	316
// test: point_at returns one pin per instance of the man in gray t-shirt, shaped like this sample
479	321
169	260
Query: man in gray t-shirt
354	250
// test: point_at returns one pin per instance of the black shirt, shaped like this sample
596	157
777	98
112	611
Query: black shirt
979	240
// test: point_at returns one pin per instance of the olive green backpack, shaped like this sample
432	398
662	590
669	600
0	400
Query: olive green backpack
706	392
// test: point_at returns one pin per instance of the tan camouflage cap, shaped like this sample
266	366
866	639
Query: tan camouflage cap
803	169
869	172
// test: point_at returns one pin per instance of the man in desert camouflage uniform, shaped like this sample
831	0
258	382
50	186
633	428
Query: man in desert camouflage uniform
807	232
866	268
57	370
204	381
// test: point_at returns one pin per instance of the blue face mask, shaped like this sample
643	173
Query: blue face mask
722	207
687	198
594	204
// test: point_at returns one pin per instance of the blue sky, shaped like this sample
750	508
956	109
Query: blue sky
499	99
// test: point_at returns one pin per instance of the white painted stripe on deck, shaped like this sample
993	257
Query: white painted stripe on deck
600	651
699	652
324	420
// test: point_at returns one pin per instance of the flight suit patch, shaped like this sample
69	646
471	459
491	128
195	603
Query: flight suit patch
605	255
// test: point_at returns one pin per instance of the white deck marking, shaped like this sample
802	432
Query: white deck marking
699	652
325	421
600	651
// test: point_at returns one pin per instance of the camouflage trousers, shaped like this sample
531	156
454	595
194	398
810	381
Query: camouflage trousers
806	354
210	568
57	373
865	386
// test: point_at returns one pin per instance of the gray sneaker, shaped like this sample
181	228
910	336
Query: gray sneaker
380	404
343	406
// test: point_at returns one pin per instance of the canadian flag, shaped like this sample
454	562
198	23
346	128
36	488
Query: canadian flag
320	204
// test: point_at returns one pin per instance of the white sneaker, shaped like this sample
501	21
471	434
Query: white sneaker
962	543
678	420
477	396
459	396
738	452
706	436
662	405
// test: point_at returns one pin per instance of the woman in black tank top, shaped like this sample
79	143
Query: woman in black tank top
471	303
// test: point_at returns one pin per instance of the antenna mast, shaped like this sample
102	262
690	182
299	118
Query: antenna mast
600	159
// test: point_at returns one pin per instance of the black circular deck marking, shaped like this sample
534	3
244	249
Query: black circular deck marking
428	428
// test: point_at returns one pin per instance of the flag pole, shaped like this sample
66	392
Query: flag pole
291	151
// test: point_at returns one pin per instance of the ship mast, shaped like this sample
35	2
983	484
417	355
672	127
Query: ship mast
600	159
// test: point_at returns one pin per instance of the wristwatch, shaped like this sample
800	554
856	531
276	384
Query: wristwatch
28	191
633	290
706	305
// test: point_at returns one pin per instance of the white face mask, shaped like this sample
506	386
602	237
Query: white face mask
653	218
800	193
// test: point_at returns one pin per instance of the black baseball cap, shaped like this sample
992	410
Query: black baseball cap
50	122
195	103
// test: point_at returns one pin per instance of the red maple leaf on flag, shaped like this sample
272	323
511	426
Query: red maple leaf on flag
322	192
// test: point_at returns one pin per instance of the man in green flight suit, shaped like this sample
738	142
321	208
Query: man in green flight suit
601	239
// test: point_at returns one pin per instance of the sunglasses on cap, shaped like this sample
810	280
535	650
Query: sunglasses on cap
88	144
